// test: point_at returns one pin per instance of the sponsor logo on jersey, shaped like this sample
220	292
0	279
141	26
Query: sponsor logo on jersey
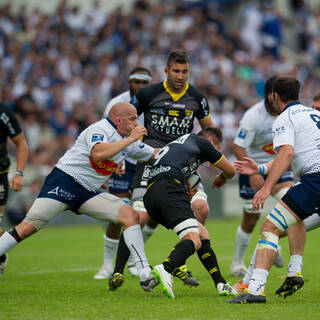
175	105
141	145
168	125
174	113
188	113
268	148
278	131
158	111
5	119
242	134
97	137
104	168
160	169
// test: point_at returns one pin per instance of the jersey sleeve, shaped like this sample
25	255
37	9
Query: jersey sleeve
282	133
209	151
203	111
140	151
94	135
246	131
139	101
11	123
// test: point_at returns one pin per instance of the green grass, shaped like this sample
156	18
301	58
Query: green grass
50	276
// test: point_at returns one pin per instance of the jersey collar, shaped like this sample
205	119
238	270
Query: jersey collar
290	104
112	123
175	96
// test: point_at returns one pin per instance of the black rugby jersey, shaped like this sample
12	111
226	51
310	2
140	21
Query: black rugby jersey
167	115
9	127
182	157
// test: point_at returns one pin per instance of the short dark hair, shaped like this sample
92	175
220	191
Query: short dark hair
287	87
212	132
316	97
268	86
140	69
178	56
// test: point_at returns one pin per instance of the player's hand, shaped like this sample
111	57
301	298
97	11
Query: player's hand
138	132
16	183
120	169
256	181
219	181
248	166
259	198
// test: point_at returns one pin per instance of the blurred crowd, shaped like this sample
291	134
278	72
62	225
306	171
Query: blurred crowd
59	70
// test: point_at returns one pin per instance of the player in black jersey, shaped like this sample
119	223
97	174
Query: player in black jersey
9	127
167	202
169	110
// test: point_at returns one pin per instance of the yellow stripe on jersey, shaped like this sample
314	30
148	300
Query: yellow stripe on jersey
175	96
218	160
209	115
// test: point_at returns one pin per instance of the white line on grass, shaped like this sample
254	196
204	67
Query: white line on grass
56	270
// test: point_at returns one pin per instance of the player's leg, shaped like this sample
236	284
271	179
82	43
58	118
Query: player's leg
280	218
41	212
106	207
209	260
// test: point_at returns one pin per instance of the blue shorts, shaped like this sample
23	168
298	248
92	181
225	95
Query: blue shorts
303	198
246	192
62	187
124	183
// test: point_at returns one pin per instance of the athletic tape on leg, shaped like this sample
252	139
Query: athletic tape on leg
281	217
200	195
189	225
278	196
268	240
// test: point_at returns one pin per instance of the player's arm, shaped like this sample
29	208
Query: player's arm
280	164
206	122
249	167
228	172
22	150
104	150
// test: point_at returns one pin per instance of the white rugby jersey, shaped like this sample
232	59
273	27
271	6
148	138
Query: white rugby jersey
123	97
299	126
255	133
78	163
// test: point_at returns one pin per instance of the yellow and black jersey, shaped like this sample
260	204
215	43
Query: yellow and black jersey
169	115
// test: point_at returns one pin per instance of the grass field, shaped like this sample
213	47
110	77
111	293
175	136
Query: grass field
50	276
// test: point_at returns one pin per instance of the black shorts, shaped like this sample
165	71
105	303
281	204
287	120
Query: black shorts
4	188
167	202
142	176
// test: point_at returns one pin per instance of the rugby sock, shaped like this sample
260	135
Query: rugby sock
7	242
242	242
210	262
134	241
110	248
295	265
147	232
247	277
179	254
122	256
258	280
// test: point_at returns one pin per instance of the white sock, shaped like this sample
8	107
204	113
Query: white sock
258	280
134	241
295	265
110	250
147	232
242	242
248	275
7	242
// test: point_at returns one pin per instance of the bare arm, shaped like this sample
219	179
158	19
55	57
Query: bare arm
19	140
280	164
228	171
206	123
103	151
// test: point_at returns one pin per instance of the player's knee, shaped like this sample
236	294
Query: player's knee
128	216
280	219
187	227
201	210
25	230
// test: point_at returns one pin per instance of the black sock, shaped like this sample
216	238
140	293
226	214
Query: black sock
123	254
179	254
15	235
3	258
210	262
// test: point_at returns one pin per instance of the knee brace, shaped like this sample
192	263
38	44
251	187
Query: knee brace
247	207
189	225
200	195
281	218
268	240
278	196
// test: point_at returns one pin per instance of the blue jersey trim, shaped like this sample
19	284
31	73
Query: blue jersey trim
290	105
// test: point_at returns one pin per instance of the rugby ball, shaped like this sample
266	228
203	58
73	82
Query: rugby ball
194	181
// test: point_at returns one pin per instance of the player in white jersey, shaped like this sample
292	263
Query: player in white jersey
120	185
74	182
296	136
254	140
